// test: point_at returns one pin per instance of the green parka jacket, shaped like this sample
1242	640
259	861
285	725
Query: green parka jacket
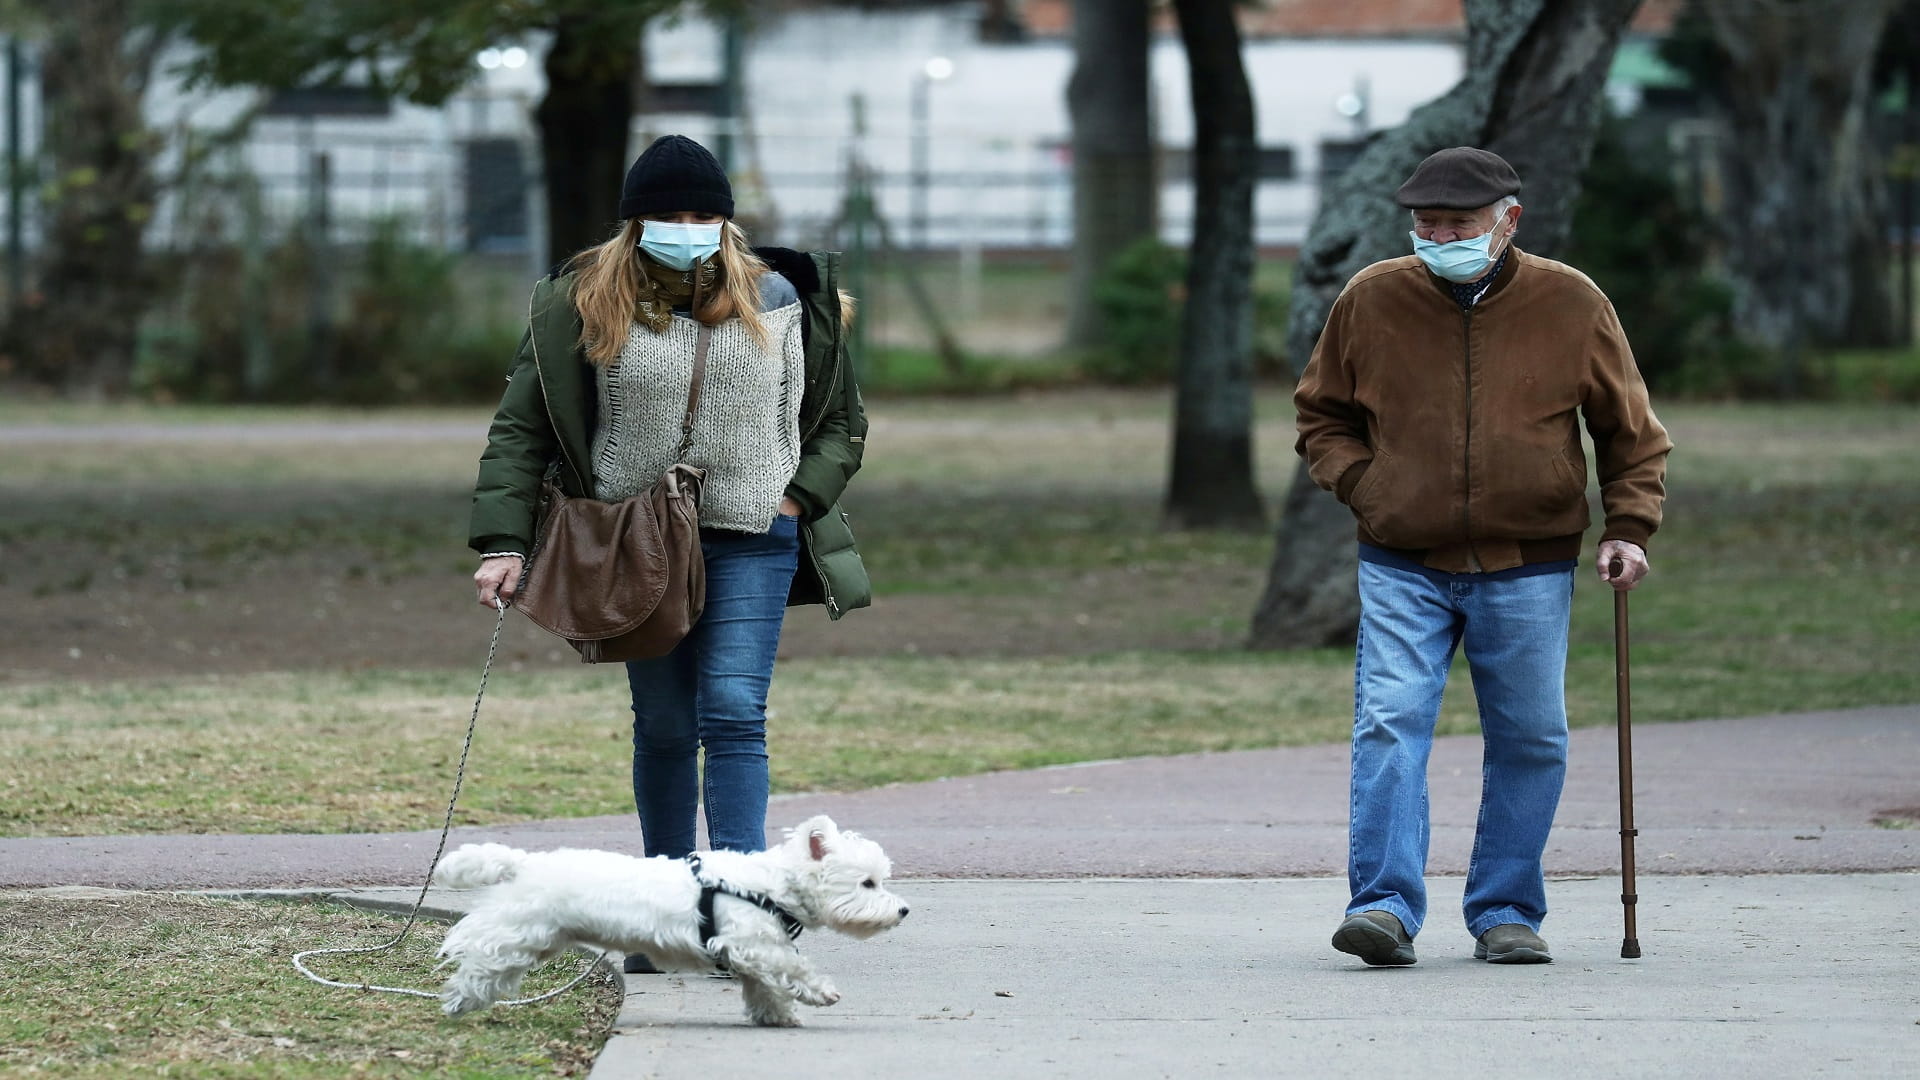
545	425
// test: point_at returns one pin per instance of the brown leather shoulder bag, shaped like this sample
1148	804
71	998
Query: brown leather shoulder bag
623	580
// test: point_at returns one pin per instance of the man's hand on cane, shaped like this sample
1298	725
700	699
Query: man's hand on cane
1633	563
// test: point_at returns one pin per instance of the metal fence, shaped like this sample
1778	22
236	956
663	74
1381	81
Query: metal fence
484	194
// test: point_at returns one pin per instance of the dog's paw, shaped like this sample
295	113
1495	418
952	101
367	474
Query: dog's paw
822	995
774	1019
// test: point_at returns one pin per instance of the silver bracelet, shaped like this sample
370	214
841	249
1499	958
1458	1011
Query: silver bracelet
503	555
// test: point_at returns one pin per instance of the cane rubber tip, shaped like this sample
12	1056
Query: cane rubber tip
1630	949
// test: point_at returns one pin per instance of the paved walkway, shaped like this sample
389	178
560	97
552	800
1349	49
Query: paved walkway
1768	794
1184	931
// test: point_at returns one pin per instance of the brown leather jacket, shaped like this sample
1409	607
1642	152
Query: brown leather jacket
1452	436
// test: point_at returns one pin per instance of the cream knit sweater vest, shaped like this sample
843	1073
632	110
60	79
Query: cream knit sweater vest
746	433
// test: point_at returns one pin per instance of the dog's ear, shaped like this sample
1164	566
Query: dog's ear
820	832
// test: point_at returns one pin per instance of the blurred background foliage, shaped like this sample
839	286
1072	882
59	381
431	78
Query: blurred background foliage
284	305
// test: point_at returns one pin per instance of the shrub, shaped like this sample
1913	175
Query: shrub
382	324
1142	297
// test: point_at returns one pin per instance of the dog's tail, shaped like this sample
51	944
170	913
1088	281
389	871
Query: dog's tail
473	865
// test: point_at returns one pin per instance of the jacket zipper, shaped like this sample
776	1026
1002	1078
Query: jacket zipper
1466	502
833	374
826	587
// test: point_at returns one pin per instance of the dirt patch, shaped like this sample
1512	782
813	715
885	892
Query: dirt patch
106	911
290	615
1006	528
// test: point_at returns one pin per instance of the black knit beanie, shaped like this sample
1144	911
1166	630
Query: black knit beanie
676	173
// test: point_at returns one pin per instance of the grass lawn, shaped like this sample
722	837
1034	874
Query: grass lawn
170	985
1022	529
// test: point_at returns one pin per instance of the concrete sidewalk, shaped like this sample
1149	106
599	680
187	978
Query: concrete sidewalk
1786	976
1742	977
1796	794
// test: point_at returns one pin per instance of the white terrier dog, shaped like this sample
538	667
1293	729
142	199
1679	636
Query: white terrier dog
716	910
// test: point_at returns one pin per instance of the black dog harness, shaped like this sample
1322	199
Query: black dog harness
708	890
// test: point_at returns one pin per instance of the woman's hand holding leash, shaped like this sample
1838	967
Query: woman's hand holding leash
498	579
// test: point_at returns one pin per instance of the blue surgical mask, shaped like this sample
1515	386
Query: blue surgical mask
679	246
1461	261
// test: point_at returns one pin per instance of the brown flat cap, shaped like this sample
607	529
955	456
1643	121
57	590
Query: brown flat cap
1458	178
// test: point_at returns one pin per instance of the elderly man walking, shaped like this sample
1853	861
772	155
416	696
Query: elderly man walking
1442	406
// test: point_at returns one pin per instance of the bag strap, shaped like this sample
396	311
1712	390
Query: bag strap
693	387
693	392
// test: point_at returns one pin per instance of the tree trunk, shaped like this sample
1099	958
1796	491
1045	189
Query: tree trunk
1115	192
1903	43
1211	481
1532	93
1873	313
76	331
1802	179
1000	23
584	121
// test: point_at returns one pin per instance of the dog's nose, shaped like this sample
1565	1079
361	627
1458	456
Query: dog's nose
903	911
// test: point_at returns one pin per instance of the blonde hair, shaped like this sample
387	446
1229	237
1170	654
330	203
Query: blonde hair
608	288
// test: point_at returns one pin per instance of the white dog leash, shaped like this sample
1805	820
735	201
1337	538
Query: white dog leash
458	777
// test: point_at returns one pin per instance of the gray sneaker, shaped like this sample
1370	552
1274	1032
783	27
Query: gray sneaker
1375	936
1512	943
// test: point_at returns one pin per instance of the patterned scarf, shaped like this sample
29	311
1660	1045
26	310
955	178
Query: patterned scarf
664	290
1467	294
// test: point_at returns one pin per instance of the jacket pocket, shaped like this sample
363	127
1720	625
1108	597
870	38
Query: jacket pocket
1573	483
1532	494
1368	479
1406	502
831	570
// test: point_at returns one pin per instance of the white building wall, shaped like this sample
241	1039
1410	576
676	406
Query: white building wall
996	129
999	124
407	164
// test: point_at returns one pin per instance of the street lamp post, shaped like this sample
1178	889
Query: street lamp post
16	260
935	70
1356	105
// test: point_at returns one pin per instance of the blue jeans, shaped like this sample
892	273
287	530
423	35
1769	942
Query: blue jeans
1514	627
711	692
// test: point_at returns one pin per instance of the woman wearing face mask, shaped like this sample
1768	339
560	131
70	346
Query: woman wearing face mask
596	400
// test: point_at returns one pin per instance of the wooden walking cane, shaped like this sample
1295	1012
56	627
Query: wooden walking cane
1623	699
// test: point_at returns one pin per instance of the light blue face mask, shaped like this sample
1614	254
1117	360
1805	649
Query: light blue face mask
679	246
1461	261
